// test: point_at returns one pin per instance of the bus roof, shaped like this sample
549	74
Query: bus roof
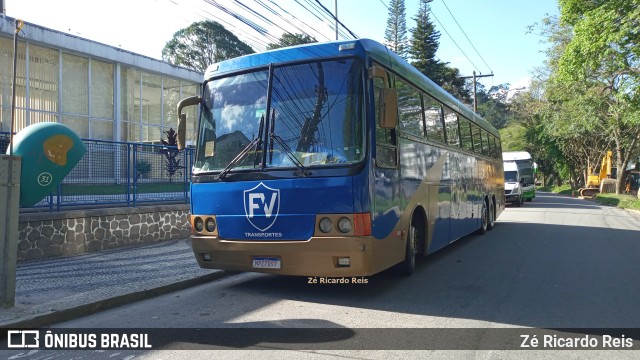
516	155
361	48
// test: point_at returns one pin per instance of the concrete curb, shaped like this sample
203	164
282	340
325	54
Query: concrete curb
43	320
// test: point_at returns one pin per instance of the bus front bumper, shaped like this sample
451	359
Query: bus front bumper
318	256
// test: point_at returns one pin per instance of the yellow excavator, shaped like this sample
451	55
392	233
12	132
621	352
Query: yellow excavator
601	180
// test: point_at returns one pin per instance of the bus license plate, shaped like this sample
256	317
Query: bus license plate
266	263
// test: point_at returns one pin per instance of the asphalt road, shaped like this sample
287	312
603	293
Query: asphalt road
554	263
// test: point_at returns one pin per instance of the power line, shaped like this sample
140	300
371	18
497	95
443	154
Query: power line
465	35
329	17
244	20
454	42
334	17
206	15
385	5
294	17
283	18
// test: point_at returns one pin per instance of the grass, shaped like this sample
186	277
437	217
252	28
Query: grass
623	201
563	189
119	189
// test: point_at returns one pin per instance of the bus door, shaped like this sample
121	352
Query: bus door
387	202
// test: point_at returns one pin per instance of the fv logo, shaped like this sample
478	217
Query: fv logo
261	206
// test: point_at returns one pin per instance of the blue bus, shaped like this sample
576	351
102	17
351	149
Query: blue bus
334	159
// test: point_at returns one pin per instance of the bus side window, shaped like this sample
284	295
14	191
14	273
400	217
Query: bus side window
477	141
433	117
486	148
494	147
465	134
385	138
451	122
410	109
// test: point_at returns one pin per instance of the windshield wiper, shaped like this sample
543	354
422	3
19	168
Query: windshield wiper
254	143
287	150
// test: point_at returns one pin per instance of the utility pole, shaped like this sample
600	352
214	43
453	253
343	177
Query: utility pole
475	92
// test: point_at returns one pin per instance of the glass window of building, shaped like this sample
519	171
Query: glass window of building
102	129
75	83
6	71
101	89
170	98
43	83
79	124
151	99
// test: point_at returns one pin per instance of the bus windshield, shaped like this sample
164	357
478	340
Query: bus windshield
315	118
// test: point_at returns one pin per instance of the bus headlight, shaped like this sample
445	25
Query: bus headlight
325	225
210	224
344	225
199	224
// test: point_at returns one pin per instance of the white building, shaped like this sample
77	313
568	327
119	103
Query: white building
101	92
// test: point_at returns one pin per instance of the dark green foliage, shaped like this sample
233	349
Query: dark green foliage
395	35
289	39
171	162
201	44
424	42
143	168
423	47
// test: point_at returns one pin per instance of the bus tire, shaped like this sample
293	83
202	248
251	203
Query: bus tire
492	216
416	234
484	218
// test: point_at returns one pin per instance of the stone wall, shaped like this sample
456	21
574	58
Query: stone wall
43	235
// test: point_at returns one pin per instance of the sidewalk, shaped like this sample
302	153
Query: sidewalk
59	289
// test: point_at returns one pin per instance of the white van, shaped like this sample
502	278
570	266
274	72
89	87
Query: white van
512	184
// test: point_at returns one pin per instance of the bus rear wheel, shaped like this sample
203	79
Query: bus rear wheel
492	217
415	240
484	218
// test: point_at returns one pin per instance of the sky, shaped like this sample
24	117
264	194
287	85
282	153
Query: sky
488	36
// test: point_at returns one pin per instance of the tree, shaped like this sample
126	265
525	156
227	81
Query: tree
604	53
424	42
493	105
288	39
395	35
423	47
170	152
201	44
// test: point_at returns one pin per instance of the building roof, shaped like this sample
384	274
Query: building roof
43	36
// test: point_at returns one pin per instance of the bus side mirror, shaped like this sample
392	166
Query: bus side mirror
388	108
182	119
388	102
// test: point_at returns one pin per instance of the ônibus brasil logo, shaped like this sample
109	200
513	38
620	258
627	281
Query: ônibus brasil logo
261	206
